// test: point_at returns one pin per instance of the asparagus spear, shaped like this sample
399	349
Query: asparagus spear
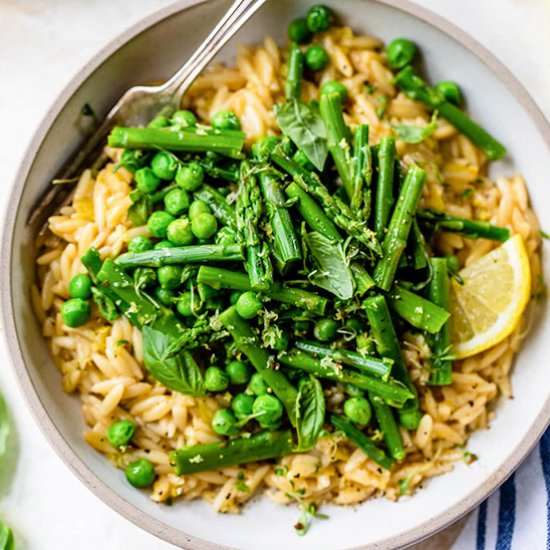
312	213
362	172
399	228
249	211
181	255
417	311
474	229
388	426
365	443
418	246
248	343
417	89
438	291
338	138
226	142
286	244
232	280
387	345
392	391
217	203
365	363
384	185
335	209
210	456
293	84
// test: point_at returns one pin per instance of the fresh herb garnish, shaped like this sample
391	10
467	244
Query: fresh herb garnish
310	413
332	267
178	372
302	123
409	133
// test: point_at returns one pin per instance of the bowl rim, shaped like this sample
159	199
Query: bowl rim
32	398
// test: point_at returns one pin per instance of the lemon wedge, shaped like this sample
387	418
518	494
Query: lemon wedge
489	305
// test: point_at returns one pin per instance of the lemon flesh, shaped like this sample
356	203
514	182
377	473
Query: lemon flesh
490	303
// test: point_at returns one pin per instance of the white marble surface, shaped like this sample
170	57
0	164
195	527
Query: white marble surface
42	45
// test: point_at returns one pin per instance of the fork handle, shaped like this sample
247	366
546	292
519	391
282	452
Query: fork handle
237	15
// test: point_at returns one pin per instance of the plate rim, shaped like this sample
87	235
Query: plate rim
32	398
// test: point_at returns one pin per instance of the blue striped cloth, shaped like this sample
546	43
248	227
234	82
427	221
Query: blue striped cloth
516	516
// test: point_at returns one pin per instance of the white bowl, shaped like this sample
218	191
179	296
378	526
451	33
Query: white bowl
153	49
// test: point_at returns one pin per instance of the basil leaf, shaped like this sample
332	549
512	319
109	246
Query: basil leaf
303	124
178	372
4	429
310	413
415	134
6	538
332	267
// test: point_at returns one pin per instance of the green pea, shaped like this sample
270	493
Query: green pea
159	122
301	158
316	58
176	202
146	180
75	312
215	379
353	391
358	410
226	120
265	145
164	244
132	159
238	372
257	384
80	286
164	295
169	276
121	433
179	232
298	31
158	223
242	405
319	18
204	226
184	118
450	91
197	208
400	52
224	422
226	235
186	304
452	263
164	165
234	296
140	473
140	244
248	305
190	176
268	408
332	86
325	330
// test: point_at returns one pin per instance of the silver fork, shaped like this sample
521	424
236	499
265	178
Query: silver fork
140	104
